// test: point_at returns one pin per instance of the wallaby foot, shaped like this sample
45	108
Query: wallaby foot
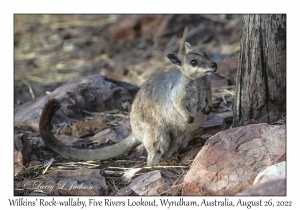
153	158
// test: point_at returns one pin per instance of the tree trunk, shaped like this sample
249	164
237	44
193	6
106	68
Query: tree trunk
261	75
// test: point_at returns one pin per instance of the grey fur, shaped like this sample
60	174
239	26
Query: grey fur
168	109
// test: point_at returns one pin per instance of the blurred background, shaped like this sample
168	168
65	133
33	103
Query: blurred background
50	50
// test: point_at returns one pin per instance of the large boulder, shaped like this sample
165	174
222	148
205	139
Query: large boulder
277	171
275	187
230	160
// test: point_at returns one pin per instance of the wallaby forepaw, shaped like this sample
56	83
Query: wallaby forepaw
207	110
189	119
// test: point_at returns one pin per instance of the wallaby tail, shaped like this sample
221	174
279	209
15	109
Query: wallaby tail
81	154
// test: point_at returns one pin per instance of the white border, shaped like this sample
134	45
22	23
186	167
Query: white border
153	6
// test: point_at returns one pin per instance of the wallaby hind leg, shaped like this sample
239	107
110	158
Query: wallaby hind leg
158	147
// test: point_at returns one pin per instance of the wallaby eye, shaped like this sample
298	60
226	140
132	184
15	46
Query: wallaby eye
194	63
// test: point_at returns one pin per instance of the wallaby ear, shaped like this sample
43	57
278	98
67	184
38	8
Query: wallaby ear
188	47
175	59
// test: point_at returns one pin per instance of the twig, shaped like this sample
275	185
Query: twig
138	165
113	173
230	92
130	69
24	57
69	24
129	161
105	114
68	168
150	167
223	87
47	165
110	186
231	49
89	164
30	88
225	107
31	91
92	162
114	185
175	182
183	39
224	99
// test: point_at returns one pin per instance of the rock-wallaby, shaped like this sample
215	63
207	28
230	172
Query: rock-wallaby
165	113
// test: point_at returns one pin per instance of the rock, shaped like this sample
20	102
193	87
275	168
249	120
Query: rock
276	171
103	136
271	181
230	160
189	156
69	140
88	128
213	121
91	93
273	187
151	183
37	142
227	116
22	152
216	104
69	182
212	125
175	189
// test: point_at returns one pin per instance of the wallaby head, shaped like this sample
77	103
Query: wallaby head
193	64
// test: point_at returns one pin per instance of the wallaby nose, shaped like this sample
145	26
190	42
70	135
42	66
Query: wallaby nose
214	65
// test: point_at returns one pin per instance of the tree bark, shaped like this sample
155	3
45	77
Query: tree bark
261	75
